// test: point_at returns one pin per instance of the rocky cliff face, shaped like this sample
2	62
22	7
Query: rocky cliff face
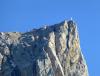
48	51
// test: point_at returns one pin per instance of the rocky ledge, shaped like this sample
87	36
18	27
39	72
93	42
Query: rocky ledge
48	51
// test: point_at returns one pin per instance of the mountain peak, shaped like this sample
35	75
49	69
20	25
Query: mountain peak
50	51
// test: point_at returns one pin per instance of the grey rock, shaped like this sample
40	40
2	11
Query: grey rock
48	51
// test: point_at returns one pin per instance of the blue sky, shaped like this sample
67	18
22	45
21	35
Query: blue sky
23	15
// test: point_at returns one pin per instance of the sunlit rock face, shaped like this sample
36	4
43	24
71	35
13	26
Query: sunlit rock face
48	51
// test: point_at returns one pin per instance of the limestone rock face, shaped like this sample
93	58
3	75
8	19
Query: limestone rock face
48	51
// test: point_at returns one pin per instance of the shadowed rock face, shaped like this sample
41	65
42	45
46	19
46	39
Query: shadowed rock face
49	51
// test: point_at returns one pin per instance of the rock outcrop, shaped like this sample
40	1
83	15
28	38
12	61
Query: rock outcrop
48	51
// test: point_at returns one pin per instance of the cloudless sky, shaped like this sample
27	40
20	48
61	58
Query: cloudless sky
23	15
